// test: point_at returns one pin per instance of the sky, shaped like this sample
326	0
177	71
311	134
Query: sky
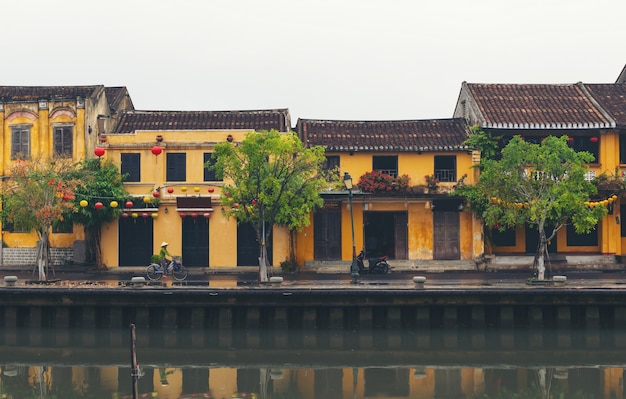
321	59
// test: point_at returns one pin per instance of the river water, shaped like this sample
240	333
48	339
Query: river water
281	365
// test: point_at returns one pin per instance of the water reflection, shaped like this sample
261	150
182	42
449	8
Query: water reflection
241	366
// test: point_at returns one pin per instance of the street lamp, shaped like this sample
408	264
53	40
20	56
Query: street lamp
354	268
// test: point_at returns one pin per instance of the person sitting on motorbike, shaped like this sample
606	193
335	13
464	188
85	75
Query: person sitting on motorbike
163	254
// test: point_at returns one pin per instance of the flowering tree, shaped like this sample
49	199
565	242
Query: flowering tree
36	195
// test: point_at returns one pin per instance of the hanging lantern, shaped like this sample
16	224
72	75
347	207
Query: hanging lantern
170	190
235	205
194	215
183	189
99	151
570	139
129	204
144	215
156	194
98	205
113	204
253	202
146	199
207	215
66	197
196	189
124	215
157	150
154	215
593	139
83	203
182	214
211	189
134	215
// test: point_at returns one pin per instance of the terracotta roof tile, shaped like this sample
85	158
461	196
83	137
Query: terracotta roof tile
611	97
384	136
56	93
536	106
132	121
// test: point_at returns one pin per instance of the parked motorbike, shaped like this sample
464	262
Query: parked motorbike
375	265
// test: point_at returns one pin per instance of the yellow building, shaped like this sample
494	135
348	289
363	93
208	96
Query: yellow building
41	121
163	154
591	115
416	219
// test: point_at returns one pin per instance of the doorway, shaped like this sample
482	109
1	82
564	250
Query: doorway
135	241
386	233
248	247
327	234
195	242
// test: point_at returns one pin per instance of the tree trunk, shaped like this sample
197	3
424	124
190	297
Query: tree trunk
42	256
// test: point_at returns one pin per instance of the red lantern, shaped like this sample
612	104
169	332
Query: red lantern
144	215
207	215
156	150
570	139
156	194
182	214
253	202
211	189
66	197
98	205
129	204
235	205
170	190
99	151
593	139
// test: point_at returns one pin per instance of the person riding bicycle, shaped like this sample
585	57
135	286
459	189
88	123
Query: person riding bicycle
163	254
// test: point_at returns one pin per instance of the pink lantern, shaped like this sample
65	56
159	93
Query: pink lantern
182	214
144	215
194	215
124	215
99	151
207	215
157	150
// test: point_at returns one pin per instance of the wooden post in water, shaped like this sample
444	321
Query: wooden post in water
134	366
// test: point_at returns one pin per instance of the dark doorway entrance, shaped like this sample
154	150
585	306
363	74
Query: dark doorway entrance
386	234
327	234
248	247
135	241
446	229
195	242
532	239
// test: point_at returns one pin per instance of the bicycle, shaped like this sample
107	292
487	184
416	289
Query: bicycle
155	271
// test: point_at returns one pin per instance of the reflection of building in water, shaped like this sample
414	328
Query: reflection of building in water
312	383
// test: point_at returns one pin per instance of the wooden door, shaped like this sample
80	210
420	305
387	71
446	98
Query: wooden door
135	241
327	234
446	237
195	242
401	225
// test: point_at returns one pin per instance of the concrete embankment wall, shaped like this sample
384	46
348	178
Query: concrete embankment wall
551	315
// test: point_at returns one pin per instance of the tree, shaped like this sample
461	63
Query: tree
103	183
275	180
37	195
540	185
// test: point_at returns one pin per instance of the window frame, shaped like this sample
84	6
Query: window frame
21	130
131	166
64	133
176	166
209	174
386	161
445	173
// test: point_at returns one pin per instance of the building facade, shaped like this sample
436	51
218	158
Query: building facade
415	217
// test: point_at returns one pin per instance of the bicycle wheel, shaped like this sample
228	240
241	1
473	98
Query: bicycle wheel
179	273
154	272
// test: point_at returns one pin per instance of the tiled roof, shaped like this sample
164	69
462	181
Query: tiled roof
611	97
536	106
132	121
383	136
115	95
55	93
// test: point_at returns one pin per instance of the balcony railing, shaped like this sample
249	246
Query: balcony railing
445	175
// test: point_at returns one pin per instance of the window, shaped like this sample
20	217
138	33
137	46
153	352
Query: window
20	142
504	238
590	144
622	148
331	162
176	169
385	164
209	174
62	140
575	239
62	226
131	166
445	168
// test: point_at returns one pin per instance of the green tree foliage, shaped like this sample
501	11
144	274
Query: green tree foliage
101	182
36	195
275	180
536	184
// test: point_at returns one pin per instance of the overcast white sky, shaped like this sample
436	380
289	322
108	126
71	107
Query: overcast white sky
322	59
